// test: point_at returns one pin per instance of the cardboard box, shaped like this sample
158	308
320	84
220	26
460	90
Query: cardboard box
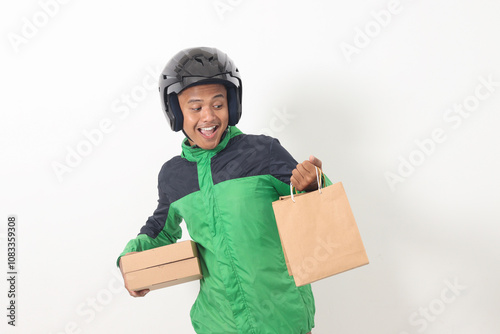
162	266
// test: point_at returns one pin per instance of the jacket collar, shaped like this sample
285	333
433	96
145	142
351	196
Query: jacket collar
195	153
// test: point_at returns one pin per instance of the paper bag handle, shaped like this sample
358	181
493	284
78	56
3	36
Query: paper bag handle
319	179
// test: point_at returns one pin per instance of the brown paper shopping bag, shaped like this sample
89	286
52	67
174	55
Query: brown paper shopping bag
318	234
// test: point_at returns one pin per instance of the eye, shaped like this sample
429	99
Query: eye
218	106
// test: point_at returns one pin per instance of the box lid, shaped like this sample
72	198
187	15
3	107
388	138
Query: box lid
164	275
158	256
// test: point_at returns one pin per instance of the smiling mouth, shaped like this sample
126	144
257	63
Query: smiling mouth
208	132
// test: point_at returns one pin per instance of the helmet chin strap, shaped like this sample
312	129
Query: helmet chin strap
221	138
224	133
185	134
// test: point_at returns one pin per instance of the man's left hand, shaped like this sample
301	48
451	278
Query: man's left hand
304	175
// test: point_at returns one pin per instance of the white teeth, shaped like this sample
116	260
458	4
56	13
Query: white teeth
208	129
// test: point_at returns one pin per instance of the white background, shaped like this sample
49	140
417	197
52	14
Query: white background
69	67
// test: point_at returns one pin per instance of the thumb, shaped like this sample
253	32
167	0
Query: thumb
315	161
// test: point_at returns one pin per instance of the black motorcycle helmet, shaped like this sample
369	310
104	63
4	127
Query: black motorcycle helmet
198	66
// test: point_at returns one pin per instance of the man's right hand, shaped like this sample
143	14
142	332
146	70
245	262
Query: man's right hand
139	293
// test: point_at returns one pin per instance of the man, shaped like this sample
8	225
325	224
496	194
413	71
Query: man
223	185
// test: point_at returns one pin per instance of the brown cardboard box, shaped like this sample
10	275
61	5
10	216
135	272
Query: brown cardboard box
162	266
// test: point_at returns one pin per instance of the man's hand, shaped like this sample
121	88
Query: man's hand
140	293
304	175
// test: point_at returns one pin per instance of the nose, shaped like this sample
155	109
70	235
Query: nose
207	114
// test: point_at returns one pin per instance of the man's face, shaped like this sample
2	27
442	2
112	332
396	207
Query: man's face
205	112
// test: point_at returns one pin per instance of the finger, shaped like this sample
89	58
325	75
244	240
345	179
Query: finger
303	170
299	186
302	177
315	161
139	293
296	173
295	178
307	169
300	168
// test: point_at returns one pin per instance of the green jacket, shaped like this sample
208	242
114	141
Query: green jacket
224	195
